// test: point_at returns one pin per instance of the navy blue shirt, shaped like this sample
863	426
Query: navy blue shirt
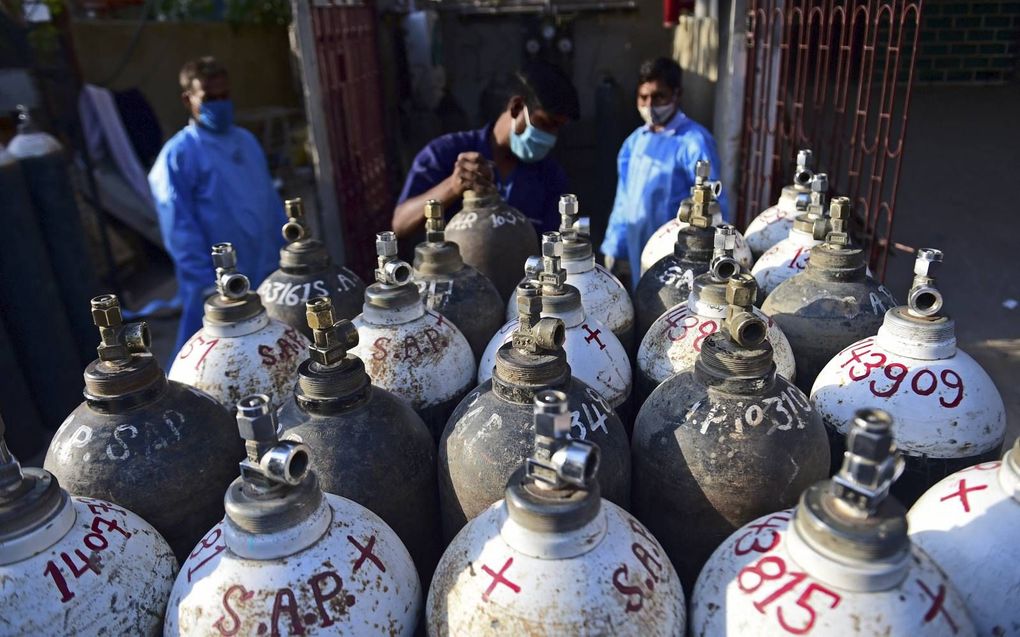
533	188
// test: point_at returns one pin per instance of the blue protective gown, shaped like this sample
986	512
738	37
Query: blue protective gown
208	188
655	173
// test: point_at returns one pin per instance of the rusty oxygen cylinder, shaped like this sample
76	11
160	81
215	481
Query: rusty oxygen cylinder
593	351
240	349
668	282
492	431
832	303
451	288
412	351
603	295
157	447
289	559
674	341
306	272
371	446
80	563
948	413
790	256
840	563
968	524
494	238
724	442
552	557
774	223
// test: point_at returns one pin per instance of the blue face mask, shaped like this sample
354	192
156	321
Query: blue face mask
533	144
217	115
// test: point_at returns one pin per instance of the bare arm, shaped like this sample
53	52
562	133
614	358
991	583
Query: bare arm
470	170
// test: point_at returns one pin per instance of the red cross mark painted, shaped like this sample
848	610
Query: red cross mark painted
499	578
366	554
593	336
961	493
937	608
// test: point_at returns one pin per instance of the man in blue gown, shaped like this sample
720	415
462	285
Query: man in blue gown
211	184
655	167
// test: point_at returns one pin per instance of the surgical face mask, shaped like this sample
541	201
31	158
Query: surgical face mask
657	115
216	115
531	145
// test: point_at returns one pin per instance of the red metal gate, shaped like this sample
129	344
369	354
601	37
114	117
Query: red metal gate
350	78
834	76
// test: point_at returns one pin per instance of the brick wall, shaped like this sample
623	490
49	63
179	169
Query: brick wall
970	42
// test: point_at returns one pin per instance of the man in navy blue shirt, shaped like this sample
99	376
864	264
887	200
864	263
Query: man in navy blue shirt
509	153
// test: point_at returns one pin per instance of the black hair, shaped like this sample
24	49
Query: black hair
201	69
664	70
545	86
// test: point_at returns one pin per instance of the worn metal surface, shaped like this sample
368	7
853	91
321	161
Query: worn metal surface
783	260
660	244
424	359
494	238
468	299
967	523
127	454
594	354
712	452
674	341
488	437
774	223
373	449
620	585
752	586
835	77
355	579
259	355
110	574
284	294
947	411
666	284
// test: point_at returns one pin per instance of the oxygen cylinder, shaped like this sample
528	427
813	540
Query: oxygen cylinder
359	430
602	294
668	281
725	442
45	169
413	352
552	557
948	413
82	564
494	238
306	272
674	341
790	256
491	432
593	351
838	564
774	223
453	289
239	350
289	559
832	303
967	523
159	448
660	244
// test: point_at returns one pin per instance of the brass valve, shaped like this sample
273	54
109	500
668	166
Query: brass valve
699	209
332	338
435	225
558	461
839	219
390	269
871	463
117	341
294	229
744	326
230	284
